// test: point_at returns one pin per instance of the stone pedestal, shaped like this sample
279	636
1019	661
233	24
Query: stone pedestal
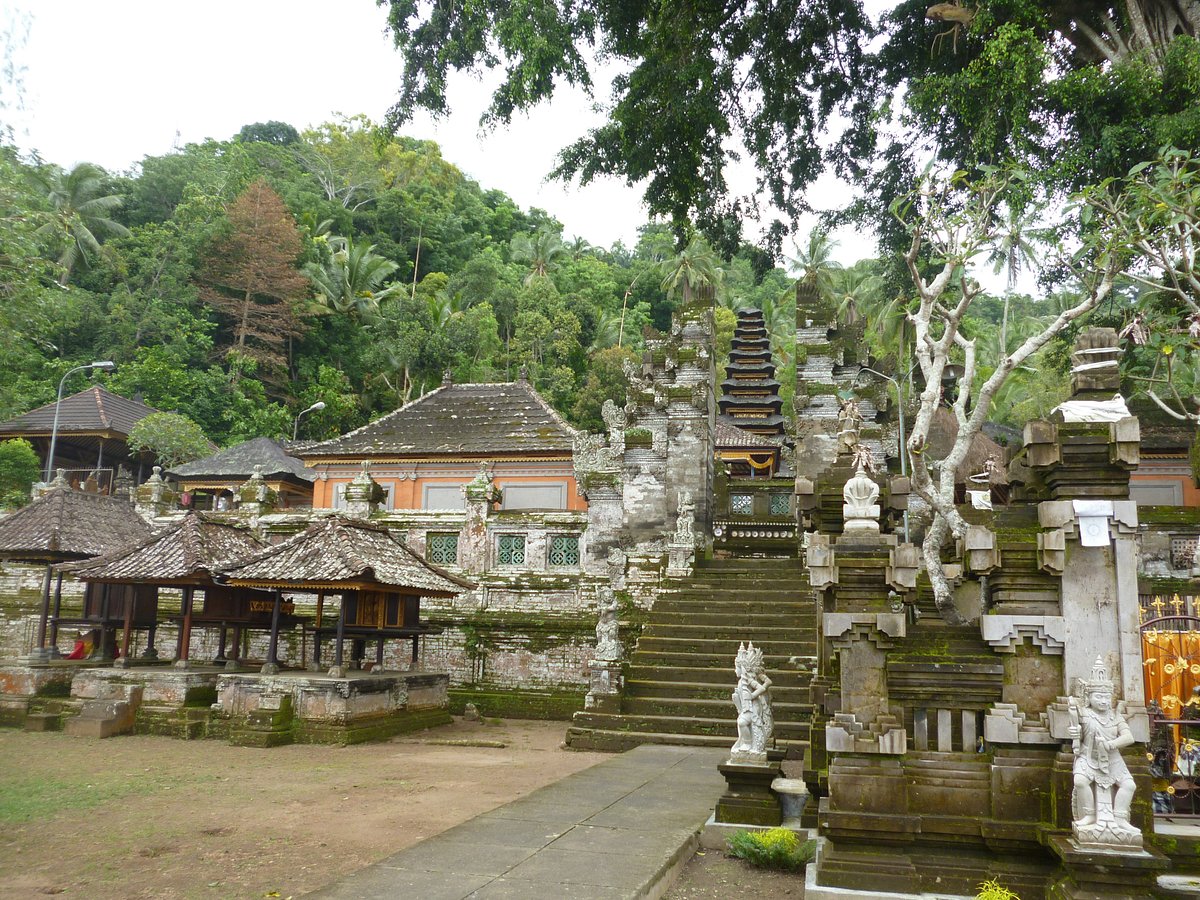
748	799
1104	875
606	682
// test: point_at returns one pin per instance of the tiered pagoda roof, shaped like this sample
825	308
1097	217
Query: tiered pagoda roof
750	393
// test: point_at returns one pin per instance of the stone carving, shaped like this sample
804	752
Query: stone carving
608	641
1103	786
860	509
614	420
684	521
849	423
364	494
752	699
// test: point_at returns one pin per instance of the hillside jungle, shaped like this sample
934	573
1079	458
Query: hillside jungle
237	282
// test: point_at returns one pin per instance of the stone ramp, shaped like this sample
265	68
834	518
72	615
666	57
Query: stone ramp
620	829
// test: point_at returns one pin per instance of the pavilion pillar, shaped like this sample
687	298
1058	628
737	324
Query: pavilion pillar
130	597
235	654
416	644
338	671
54	653
221	636
105	610
151	652
185	631
40	650
379	655
271	666
316	660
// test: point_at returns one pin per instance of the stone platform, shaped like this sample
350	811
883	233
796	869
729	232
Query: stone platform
26	688
620	829
305	707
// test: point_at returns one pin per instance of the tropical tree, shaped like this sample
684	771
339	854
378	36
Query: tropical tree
19	469
696	266
814	260
172	438
541	251
249	275
80	214
350	277
1074	91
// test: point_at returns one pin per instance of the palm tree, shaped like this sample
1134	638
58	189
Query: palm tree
80	214
695	266
815	260
350	277
541	252
1012	253
855	290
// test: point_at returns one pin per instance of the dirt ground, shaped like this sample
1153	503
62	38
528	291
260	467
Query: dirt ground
711	875
147	817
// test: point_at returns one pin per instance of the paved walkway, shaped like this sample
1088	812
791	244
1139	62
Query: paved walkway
616	830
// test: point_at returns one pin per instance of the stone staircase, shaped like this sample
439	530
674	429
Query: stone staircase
680	677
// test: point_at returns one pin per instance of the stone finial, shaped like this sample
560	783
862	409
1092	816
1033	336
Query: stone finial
523	374
255	496
1095	362
482	487
860	509
752	700
155	497
364	494
447	378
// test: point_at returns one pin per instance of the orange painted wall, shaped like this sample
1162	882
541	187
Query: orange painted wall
1146	472
407	494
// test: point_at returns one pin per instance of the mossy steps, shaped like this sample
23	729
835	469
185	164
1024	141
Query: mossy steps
679	679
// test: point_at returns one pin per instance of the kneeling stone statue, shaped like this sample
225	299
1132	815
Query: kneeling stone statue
1103	786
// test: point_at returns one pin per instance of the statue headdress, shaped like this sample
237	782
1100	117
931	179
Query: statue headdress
1100	681
749	657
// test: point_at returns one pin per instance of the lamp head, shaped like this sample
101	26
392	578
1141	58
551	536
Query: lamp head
106	364
316	407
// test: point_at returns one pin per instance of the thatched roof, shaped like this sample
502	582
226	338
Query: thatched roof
237	463
66	524
943	430
92	411
340	552
470	419
187	552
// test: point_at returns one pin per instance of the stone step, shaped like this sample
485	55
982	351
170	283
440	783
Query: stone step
696	725
734	610
695	708
702	690
739	589
619	740
740	631
700	619
721	675
723	647
657	657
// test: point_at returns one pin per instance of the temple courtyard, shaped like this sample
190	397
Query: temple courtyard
144	816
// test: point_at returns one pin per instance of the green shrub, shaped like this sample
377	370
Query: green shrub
777	848
19	469
993	890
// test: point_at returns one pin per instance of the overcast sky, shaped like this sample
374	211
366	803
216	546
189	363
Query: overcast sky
112	82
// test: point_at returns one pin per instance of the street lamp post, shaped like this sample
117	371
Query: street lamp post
105	366
316	407
903	442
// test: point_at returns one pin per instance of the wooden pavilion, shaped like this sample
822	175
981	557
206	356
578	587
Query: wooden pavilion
186	555
93	433
380	580
64	525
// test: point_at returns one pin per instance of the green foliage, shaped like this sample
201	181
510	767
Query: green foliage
269	132
993	890
19	469
776	848
172	438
